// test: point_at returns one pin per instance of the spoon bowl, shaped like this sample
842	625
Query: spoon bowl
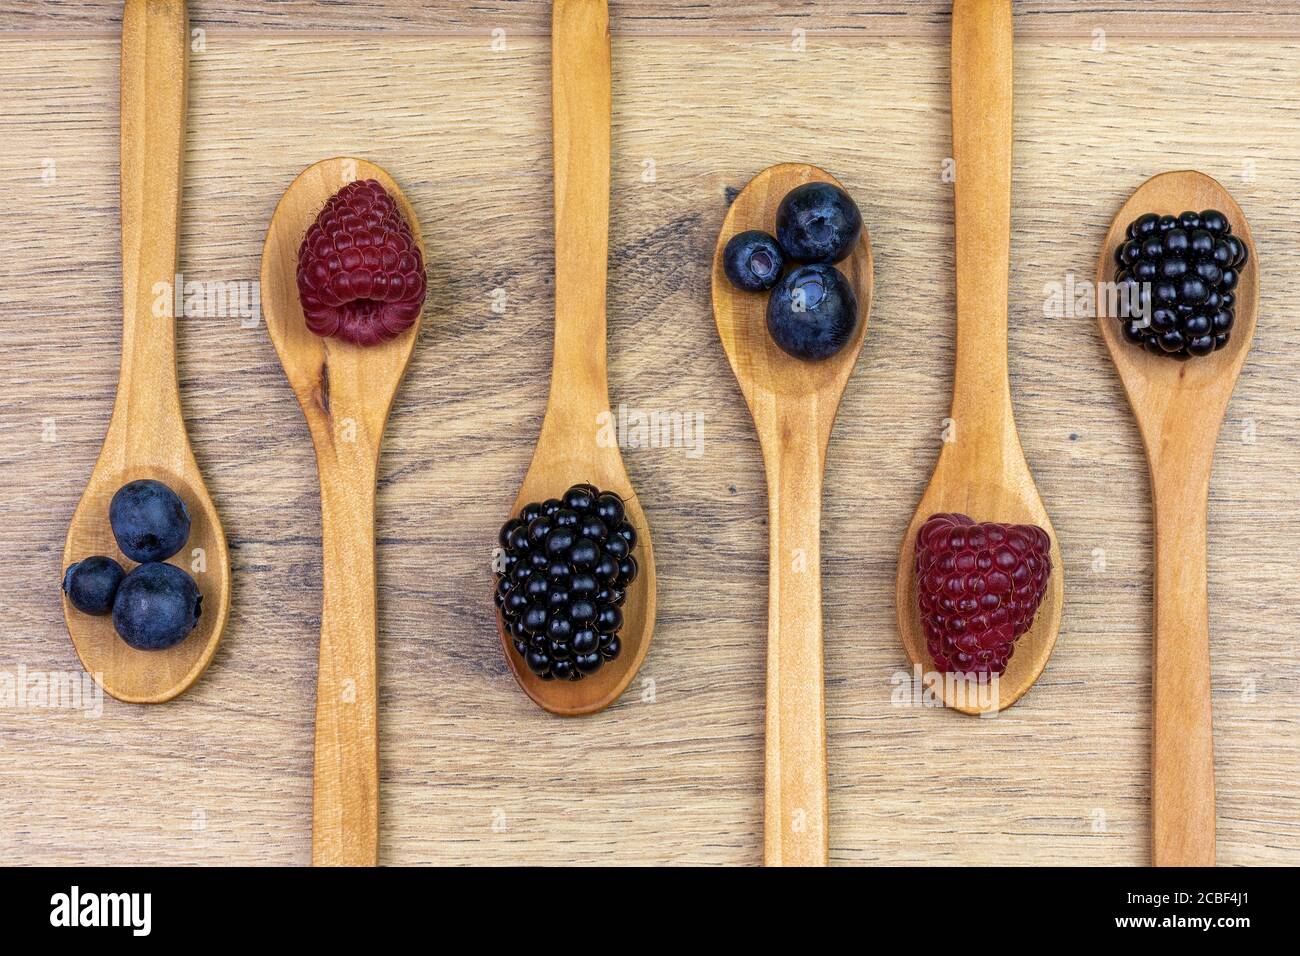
146	434
345	391
982	471
570	450
793	404
1180	452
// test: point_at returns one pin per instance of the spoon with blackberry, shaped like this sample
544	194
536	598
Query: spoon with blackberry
981	596
576	624
146	441
793	352
1178	328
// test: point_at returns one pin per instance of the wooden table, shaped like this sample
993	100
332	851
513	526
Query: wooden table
454	100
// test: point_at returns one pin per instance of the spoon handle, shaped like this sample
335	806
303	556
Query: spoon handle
155	47
1182	752
795	809
580	106
981	149
345	795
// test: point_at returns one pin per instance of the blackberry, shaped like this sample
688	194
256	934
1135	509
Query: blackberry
1176	277
563	581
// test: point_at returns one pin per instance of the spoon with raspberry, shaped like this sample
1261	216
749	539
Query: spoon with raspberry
343	286
979	588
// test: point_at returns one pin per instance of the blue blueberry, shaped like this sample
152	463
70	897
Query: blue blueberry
156	606
753	261
813	313
818	222
91	584
149	520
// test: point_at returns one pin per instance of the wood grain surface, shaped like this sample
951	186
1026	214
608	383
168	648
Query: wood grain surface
471	771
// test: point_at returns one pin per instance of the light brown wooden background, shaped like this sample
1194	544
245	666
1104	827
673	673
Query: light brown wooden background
709	94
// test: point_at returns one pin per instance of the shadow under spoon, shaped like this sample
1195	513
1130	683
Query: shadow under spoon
1180	408
146	434
793	404
345	391
569	450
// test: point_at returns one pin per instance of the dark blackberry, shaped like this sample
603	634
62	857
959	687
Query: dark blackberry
564	576
1175	277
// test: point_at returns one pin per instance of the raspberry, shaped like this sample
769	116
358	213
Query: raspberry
360	271
979	587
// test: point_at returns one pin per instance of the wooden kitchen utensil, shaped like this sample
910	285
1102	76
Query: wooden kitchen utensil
982	470
569	450
146	434
345	391
793	404
1179	408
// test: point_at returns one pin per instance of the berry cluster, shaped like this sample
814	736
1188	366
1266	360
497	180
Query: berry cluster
979	586
360	270
567	565
157	604
812	311
1178	273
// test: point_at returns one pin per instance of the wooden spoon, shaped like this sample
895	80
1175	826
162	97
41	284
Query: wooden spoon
146	434
982	470
345	391
793	404
1179	444
570	450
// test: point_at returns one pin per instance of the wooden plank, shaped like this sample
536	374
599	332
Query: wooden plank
881	18
471	771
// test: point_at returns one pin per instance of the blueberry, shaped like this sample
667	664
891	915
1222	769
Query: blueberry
156	606
818	222
149	520
812	313
752	260
91	584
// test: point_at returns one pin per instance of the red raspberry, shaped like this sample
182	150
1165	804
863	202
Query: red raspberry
360	271
979	586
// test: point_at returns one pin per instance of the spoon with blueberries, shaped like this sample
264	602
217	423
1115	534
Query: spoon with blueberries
1178	259
575	573
147	579
791	309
